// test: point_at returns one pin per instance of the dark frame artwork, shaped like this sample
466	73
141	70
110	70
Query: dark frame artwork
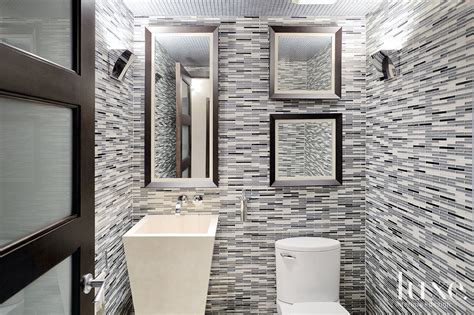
337	180
149	87
337	31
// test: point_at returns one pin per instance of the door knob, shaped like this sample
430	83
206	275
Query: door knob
88	283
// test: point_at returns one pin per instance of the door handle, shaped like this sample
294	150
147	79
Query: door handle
288	256
88	283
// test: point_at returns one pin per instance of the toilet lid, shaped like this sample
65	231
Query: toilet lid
321	308
308	244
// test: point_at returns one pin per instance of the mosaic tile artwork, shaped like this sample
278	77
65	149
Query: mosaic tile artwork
304	149
290	143
419	159
318	155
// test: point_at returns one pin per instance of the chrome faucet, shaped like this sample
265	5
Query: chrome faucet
183	199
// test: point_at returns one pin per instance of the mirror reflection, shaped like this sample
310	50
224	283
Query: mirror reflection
305	148
304	62
182	102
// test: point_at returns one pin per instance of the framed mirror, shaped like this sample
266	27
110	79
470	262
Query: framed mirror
305	62
305	149
181	106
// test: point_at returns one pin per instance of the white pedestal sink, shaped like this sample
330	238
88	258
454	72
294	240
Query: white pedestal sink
169	262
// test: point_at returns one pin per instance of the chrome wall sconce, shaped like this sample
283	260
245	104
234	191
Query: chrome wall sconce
382	61
122	60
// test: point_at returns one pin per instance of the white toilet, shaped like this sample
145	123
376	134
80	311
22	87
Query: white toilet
307	274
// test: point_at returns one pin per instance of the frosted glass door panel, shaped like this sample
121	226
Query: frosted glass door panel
185	99
49	294
185	144
36	152
43	28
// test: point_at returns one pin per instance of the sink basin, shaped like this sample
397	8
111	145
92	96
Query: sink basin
169	262
174	225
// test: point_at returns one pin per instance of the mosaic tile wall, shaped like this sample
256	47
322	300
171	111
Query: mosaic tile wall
292	75
165	114
419	162
304	149
113	184
319	69
243	268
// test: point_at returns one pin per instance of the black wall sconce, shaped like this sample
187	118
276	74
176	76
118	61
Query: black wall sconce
123	61
382	61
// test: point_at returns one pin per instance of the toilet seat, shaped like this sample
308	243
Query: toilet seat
312	308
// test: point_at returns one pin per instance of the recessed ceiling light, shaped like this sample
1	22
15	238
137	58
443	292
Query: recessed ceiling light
314	1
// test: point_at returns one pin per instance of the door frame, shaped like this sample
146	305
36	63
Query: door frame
182	120
26	76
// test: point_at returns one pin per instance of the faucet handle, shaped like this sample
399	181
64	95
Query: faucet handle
197	200
183	199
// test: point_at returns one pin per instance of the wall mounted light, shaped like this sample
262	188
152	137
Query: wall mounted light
382	60
122	63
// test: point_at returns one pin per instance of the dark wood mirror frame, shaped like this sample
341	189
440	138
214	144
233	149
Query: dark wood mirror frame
306	182
149	86
337	31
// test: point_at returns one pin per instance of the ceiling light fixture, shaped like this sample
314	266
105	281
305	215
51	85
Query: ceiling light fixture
313	1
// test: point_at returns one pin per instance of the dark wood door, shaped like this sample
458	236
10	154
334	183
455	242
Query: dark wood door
183	122
47	133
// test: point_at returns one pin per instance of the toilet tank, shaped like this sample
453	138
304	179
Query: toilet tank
307	269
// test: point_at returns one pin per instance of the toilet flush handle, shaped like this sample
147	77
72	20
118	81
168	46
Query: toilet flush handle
288	256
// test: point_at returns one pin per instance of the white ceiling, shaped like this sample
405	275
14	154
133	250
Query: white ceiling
248	8
188	50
